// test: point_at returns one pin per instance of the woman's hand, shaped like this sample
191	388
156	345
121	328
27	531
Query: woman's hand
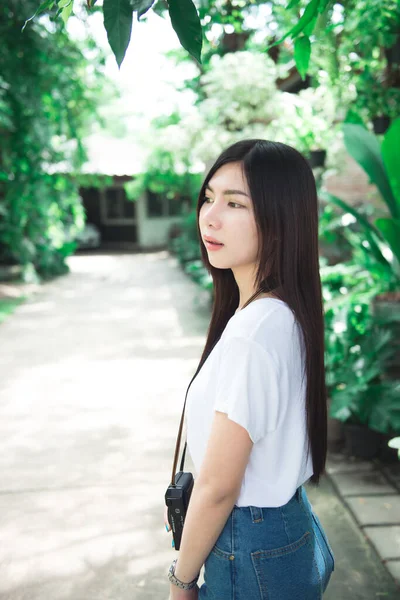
175	593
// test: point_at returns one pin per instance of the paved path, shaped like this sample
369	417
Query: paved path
93	372
371	492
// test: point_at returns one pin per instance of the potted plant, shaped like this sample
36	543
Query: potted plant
376	100
317	158
357	350
380	123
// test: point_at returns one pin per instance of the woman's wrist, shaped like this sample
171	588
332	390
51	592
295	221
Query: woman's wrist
183	579
174	571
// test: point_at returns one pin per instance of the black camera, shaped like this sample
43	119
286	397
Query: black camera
177	500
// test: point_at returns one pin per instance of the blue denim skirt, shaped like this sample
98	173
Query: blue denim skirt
264	553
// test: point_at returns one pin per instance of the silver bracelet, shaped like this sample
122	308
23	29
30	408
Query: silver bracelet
178	582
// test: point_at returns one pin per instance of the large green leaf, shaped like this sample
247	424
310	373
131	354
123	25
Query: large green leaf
390	229
364	147
118	16
186	22
371	232
302	54
391	158
307	16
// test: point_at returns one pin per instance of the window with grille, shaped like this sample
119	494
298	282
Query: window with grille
116	208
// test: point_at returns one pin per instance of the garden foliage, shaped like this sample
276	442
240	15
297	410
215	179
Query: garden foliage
47	101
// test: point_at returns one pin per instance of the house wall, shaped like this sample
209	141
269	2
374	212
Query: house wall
153	231
143	228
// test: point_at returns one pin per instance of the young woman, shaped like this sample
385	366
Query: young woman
256	411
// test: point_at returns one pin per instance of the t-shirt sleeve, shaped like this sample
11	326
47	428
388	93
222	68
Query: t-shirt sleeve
247	386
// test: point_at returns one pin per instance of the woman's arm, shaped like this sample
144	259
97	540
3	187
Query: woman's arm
214	493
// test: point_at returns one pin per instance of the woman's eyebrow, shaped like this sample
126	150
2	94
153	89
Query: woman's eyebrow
228	192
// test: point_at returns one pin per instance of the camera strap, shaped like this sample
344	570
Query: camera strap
178	440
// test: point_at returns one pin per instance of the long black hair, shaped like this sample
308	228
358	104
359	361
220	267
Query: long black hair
285	204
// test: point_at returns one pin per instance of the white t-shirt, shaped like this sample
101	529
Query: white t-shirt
254	374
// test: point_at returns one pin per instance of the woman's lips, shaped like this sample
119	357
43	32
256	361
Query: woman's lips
211	246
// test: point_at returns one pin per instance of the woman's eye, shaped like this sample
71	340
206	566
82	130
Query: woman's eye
206	202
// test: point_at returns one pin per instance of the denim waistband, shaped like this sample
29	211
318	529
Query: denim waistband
257	512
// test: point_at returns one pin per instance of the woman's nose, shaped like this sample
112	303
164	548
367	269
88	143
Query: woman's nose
213	213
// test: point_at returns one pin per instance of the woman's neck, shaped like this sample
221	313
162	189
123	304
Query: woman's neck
263	295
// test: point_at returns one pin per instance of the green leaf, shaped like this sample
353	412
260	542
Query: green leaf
390	229
186	23
307	16
302	54
42	7
391	159
309	28
292	3
66	12
141	6
118	17
364	147
369	229
65	9
353	117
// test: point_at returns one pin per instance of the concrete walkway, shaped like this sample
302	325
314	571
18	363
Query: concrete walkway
93	373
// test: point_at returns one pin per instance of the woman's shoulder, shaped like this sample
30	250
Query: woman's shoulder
261	314
268	322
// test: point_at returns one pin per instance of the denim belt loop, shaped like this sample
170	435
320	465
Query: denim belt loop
256	514
299	494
